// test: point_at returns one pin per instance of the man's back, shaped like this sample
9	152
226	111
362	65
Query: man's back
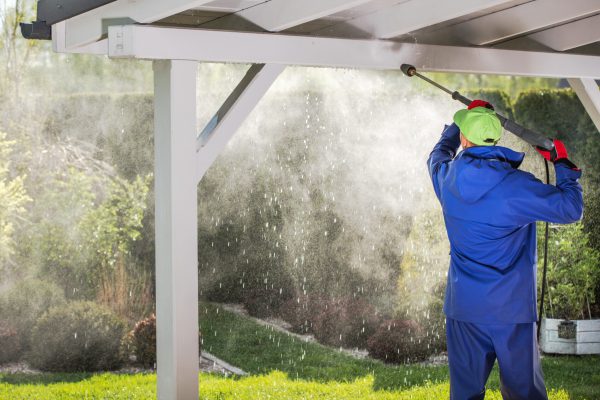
490	208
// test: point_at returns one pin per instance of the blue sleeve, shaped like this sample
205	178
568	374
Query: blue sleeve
532	200
443	152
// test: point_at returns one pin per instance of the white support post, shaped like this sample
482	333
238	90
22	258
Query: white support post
589	94
176	229
233	113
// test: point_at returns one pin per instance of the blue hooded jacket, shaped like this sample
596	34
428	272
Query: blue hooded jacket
490	208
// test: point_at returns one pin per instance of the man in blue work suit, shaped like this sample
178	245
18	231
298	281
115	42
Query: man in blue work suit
490	208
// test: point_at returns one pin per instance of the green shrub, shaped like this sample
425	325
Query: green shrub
591	216
10	343
573	273
25	302
434	322
398	341
243	258
81	336
13	198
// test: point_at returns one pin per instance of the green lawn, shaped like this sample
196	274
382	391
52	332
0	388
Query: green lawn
283	367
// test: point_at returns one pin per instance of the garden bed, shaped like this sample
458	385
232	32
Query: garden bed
308	370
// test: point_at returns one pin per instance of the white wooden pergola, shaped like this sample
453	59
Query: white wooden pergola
544	38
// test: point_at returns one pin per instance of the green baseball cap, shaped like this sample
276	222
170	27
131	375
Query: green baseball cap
479	125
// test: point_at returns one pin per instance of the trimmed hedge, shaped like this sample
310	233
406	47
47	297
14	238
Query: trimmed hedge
25	302
81	336
498	98
558	113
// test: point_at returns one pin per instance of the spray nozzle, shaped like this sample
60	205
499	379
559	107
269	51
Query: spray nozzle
408	70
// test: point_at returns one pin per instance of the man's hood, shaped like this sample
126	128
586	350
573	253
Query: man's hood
477	170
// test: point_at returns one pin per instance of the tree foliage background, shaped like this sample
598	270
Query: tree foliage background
321	195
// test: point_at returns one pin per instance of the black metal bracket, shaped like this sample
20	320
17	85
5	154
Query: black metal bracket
38	30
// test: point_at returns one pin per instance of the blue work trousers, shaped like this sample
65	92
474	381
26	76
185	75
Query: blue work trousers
473	349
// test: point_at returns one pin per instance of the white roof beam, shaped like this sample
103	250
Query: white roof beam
151	42
88	27
589	94
522	19
233	113
413	15
59	42
571	35
278	15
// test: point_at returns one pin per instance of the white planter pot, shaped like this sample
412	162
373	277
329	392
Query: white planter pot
570	337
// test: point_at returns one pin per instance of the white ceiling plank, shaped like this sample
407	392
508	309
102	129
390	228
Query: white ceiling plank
88	27
233	113
151	42
412	15
589	94
522	19
230	6
571	35
278	15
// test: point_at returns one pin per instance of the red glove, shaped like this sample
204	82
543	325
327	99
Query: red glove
558	154
480	103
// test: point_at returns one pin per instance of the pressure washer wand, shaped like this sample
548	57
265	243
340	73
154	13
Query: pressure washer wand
531	137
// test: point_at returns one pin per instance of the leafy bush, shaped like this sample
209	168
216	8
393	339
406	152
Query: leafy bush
10	345
81	336
398	341
573	273
110	231
255	273
144	341
25	302
345	322
301	312
13	198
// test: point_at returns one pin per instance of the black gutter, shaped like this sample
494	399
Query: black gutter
49	12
